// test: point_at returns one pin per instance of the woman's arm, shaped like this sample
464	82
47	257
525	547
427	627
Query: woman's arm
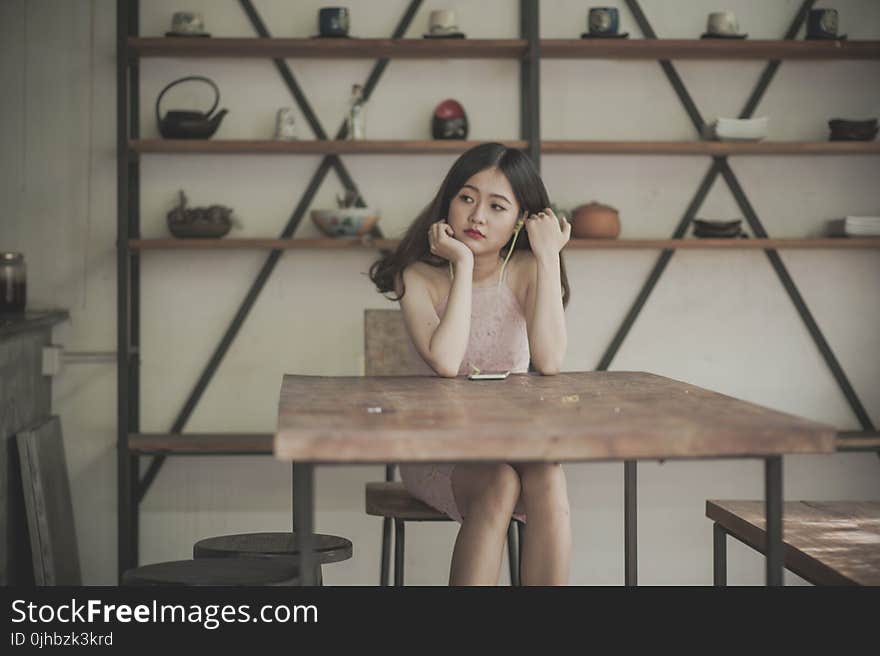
545	315
441	343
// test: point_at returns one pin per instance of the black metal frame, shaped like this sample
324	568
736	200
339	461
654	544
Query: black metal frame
720	166
774	546
132	486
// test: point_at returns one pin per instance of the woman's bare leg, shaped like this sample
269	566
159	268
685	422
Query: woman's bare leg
486	496
546	548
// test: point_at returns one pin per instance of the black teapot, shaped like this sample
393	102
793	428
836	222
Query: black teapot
187	124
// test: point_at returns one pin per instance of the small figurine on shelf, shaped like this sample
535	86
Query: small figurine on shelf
356	114
449	121
285	124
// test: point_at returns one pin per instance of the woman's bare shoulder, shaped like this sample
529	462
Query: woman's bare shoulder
431	276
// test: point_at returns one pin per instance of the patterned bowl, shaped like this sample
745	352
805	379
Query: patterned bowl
347	222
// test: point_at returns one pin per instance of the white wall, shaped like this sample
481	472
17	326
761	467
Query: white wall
717	319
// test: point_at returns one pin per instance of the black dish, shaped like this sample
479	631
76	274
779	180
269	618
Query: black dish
853	136
622	35
453	35
723	36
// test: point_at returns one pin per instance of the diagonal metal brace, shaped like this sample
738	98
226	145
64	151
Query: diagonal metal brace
251	297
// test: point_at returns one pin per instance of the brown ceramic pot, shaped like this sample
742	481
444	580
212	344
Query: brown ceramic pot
595	221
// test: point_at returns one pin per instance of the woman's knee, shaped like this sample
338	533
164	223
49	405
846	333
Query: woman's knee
544	484
489	489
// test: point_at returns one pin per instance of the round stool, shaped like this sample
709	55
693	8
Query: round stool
273	546
226	572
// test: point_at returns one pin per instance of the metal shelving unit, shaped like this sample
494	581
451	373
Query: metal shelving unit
529	49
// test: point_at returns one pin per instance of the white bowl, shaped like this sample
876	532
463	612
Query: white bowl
738	129
349	222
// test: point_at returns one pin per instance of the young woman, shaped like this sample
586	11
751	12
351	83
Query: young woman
481	284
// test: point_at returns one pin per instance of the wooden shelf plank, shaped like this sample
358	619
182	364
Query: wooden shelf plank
201	443
352	48
354	243
340	243
355	48
308	146
733	244
712	147
706	49
432	147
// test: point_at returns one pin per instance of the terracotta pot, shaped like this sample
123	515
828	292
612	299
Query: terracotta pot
595	221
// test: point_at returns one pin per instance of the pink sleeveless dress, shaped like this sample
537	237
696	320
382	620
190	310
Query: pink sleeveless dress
498	341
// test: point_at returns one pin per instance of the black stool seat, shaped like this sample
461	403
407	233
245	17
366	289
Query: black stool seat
328	548
214	571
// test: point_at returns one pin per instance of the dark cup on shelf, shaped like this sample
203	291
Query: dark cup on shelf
333	21
13	283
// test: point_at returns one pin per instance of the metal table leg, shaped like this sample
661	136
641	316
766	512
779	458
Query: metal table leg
631	564
303	520
773	513
719	553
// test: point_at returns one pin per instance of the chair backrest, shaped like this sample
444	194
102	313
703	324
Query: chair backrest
388	350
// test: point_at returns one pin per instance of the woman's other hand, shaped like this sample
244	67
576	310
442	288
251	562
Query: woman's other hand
547	234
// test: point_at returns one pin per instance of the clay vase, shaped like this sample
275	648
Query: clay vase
595	221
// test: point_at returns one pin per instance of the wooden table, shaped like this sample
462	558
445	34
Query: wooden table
573	417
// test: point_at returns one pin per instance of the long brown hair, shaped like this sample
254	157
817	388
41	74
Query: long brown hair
527	187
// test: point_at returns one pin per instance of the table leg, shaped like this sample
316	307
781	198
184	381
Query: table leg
773	514
630	549
303	520
719	553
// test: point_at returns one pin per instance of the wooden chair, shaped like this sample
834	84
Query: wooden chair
388	351
824	542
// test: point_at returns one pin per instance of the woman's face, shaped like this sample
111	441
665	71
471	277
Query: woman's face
484	211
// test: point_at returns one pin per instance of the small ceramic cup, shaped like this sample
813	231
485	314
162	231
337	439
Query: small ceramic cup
603	20
822	24
442	21
333	21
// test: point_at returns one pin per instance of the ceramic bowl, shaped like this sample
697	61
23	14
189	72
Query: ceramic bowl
349	222
595	221
738	129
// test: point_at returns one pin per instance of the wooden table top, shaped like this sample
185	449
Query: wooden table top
826	542
576	416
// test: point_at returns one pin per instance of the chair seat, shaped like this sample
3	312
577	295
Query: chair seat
328	548
214	571
390	499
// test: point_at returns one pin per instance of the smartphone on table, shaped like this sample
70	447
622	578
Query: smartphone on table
488	375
